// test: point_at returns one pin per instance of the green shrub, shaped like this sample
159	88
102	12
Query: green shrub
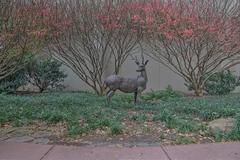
161	95
74	128
46	74
104	122
53	116
173	121
157	117
187	126
234	134
116	129
140	117
208	115
221	83
184	140
124	98
13	82
166	117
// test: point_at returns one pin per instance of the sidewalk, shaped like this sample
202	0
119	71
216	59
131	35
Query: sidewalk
23	151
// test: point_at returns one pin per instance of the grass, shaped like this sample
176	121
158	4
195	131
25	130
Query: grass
184	140
84	112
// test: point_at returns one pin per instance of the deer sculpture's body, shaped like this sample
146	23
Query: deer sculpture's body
128	85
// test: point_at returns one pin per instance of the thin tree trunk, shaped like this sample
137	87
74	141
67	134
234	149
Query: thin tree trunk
198	91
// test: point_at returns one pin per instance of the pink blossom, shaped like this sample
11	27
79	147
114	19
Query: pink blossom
161	26
149	20
212	29
45	12
82	29
134	30
148	8
168	35
188	32
136	18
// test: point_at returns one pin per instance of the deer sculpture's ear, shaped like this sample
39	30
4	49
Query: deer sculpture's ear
137	62
146	62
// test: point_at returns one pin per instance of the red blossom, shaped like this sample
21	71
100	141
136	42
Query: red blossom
136	18
134	30
149	20
148	8
187	32
168	35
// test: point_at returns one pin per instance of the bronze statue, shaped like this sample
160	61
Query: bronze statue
128	85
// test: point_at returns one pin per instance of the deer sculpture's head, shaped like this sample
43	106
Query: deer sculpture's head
141	66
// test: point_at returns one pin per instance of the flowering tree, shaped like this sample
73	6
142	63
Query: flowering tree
100	33
192	38
25	27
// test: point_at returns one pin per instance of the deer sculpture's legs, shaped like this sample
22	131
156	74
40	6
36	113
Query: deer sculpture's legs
138	93
135	97
110	93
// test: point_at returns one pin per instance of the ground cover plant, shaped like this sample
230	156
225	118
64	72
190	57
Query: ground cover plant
221	83
83	115
11	83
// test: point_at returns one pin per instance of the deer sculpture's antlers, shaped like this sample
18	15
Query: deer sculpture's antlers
143	61
135	59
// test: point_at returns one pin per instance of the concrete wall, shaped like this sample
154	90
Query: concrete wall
159	77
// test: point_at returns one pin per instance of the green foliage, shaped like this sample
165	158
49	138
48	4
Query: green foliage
53	116
166	94
184	140
46	74
218	135
84	112
173	121
74	128
124	99
138	117
11	83
187	126
116	129
234	134
221	83
169	119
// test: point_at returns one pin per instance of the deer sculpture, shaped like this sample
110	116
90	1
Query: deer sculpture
128	85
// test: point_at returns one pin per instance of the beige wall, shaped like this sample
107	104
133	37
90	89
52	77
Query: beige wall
159	77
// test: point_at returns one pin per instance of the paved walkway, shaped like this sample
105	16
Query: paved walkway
24	151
